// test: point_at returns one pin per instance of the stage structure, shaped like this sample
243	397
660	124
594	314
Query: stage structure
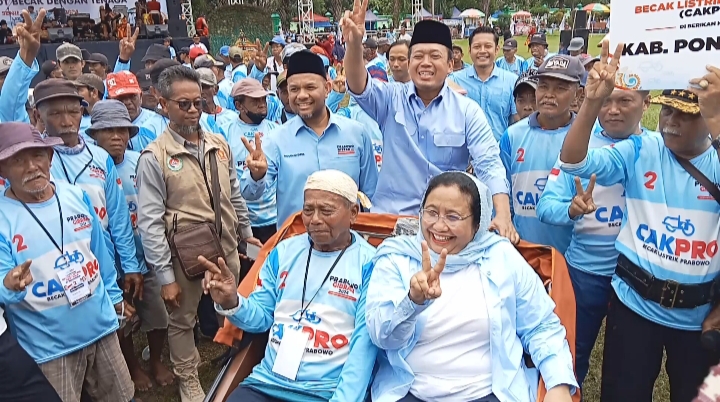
187	15
417	9
306	20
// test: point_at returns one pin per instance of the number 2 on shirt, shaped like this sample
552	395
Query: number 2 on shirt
20	243
650	183
520	155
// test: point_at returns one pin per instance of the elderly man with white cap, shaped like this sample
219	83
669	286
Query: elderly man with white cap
311	297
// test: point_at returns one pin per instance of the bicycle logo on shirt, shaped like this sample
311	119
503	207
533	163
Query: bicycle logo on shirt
673	223
540	183
66	259
310	316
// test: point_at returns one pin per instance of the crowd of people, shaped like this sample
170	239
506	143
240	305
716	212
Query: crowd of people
133	200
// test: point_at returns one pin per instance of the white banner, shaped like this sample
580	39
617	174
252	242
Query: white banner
11	9
666	43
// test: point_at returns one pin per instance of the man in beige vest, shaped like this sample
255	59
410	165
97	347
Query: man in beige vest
174	183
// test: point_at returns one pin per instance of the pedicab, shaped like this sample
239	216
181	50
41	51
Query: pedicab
249	349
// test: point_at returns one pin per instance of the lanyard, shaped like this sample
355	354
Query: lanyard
307	266
87	165
62	231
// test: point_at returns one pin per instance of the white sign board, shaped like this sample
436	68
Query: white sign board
666	43
11	9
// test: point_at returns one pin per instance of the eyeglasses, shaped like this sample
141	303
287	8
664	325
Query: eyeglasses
431	217
184	105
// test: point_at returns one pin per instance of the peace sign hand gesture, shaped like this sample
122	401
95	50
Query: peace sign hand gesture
261	57
19	277
353	22
425	285
127	45
601	79
219	282
255	161
28	34
582	203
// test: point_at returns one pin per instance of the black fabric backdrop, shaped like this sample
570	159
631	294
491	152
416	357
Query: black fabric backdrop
109	49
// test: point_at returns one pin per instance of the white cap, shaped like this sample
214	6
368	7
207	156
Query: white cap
333	181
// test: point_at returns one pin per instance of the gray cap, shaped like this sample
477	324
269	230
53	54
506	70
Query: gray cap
289	50
207	77
562	67
15	137
5	63
370	43
206	61
91	81
576	44
66	51
383	42
525	80
110	113
97	58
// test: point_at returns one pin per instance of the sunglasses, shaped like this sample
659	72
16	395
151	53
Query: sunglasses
184	105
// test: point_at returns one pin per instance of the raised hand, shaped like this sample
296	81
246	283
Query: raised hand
582	203
338	84
19	277
219	282
708	93
28	35
601	78
261	57
425	285
255	161
127	45
353	22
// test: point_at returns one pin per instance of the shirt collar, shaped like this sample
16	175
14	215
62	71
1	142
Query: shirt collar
534	123
412	94
473	73
298	124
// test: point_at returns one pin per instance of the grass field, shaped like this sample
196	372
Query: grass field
208	350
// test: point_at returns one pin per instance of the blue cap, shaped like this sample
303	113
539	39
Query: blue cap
326	61
224	51
279	40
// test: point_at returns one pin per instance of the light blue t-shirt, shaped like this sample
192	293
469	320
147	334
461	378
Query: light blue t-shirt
127	172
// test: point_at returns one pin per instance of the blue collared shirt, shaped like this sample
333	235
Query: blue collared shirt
424	141
518	67
294	152
520	318
495	95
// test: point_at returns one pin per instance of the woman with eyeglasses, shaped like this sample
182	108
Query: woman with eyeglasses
455	306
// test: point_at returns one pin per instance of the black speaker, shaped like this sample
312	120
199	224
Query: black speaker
176	24
567	35
580	20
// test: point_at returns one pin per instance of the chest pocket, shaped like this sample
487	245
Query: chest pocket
347	162
449	147
498	100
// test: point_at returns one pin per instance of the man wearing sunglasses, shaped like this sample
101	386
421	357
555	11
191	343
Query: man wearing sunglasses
174	181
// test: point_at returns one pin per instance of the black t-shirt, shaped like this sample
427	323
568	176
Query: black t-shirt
4	34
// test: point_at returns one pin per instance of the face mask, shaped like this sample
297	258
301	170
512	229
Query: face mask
256	118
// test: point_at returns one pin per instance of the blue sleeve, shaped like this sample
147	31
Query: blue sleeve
253	190
484	151
358	368
538	328
333	73
7	264
274	108
554	205
119	224
513	108
368	166
255	313
257	74
333	100
14	92
105	260
377	72
506	157
390	314
376	99
610	164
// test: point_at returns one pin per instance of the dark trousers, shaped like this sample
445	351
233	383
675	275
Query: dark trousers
633	357
264	233
246	394
21	378
592	294
412	398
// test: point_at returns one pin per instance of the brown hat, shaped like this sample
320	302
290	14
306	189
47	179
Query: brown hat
15	137
91	81
249	87
54	88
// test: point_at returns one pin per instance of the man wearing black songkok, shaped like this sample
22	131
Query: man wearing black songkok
428	127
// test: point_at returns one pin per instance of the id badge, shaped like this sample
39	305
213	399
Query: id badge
75	284
290	353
